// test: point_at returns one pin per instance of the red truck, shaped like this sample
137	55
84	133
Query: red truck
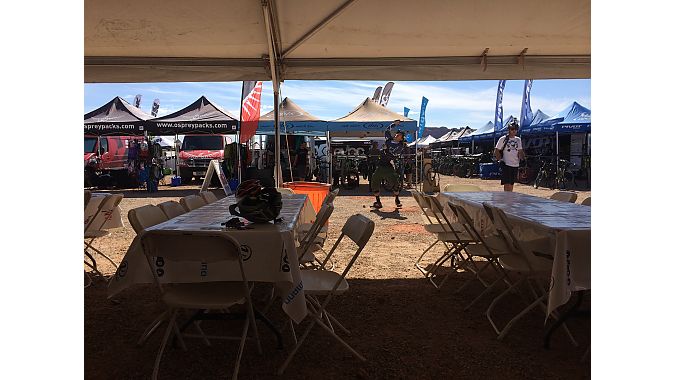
196	153
106	155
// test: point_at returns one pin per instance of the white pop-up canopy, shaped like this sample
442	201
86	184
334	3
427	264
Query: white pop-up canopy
174	41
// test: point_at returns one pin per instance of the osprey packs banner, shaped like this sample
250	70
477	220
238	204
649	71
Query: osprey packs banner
386	94
526	112
497	125
406	111
421	123
137	101
251	109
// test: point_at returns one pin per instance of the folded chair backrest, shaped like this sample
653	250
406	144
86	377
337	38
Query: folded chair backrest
192	202
145	216
172	209
107	205
321	219
359	229
460	188
331	196
180	246
502	225
468	223
564	196
438	212
424	205
586	201
208	197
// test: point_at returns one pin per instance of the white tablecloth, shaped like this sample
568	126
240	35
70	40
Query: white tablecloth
567	224
109	218
271	255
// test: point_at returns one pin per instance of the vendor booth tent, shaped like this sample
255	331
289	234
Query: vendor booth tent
486	128
369	119
577	119
454	135
202	116
117	117
538	117
490	134
293	120
424	142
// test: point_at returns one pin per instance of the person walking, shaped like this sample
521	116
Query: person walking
392	149
300	162
509	151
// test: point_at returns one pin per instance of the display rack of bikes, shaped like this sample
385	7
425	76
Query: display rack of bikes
464	166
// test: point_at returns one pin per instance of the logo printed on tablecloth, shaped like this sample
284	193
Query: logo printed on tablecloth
246	252
203	269
285	261
159	263
122	270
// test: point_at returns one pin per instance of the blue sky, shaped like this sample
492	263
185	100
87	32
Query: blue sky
451	103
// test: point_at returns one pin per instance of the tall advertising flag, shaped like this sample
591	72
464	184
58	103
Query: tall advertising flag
376	95
156	107
406	110
421	123
526	112
251	109
497	126
386	94
137	101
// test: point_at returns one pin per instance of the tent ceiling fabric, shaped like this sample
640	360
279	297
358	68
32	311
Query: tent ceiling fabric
171	40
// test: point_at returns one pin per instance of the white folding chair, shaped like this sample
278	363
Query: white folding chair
490	248
564	196
285	190
530	262
460	188
93	232
328	284
145	216
192	202
171	209
199	247
586	202
208	197
308	244
454	237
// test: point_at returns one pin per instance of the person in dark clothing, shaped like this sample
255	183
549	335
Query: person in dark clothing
393	148
300	163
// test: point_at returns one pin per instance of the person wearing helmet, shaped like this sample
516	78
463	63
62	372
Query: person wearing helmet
509	151
392	149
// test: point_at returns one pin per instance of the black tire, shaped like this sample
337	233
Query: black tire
538	179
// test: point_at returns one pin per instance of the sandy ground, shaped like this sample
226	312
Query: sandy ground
405	327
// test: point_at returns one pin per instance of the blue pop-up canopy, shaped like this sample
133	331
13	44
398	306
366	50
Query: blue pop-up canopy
293	120
369	119
488	135
486	128
578	119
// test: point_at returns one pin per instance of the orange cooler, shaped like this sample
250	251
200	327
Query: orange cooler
315	191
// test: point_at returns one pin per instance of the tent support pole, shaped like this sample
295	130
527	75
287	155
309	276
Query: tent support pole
415	150
557	151
274	50
329	157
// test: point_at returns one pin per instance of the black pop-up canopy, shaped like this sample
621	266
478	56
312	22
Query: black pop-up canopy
117	117
202	116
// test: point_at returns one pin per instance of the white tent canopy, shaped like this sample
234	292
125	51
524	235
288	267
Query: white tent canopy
174	41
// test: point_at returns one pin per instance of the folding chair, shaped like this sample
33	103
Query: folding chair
528	261
586	202
454	238
460	188
171	209
308	244
564	196
93	232
199	247
208	197
490	248
328	284
192	202
305	227
145	216
285	190
87	198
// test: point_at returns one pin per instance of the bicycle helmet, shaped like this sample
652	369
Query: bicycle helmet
513	124
256	204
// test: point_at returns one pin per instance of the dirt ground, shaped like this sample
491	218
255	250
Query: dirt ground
406	328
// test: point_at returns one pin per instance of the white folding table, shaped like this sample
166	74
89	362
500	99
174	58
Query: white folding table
567	224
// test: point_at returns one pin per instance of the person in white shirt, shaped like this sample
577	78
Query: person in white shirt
509	151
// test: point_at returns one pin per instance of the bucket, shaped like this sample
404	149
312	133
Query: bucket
175	181
314	190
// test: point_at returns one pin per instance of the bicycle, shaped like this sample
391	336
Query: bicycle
565	176
546	175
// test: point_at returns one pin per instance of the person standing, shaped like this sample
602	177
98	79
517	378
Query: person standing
509	151
393	148
300	162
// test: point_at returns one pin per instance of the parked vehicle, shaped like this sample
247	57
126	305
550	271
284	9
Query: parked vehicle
106	156
195	154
